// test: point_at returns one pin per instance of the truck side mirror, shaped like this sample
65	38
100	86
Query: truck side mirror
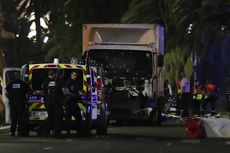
160	60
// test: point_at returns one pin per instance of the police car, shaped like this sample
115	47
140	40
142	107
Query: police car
93	102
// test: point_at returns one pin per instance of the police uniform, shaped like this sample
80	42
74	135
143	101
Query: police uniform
72	109
209	98
197	98
53	97
16	92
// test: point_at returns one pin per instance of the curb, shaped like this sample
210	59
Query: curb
4	129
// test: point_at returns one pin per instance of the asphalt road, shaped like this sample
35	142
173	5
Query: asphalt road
135	139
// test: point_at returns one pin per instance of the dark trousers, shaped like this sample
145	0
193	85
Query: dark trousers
18	120
186	104
178	103
196	106
55	117
211	101
72	109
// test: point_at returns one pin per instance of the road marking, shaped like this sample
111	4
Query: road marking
69	140
48	148
169	144
190	141
227	142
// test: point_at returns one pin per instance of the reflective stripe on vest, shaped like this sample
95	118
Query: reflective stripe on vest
179	91
198	96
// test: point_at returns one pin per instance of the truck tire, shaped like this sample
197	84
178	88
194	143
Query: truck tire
85	127
156	113
84	131
39	132
101	128
155	117
160	106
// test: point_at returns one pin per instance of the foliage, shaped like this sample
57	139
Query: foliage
206	19
64	26
65	33
177	61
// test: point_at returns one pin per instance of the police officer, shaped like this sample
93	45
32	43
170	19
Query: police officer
197	97
72	88
17	94
209	98
186	98
53	97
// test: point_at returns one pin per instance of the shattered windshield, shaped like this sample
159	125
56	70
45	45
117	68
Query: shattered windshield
123	63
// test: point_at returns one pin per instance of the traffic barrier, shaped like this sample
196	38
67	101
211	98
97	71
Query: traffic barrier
216	127
194	128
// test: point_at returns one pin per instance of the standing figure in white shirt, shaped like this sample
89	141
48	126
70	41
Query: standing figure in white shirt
186	98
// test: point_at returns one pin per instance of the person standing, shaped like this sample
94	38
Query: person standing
186	96
178	96
210	97
17	94
72	88
167	89
167	96
197	97
53	100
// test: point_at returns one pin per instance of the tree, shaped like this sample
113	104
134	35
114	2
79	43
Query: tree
205	18
38	8
65	33
200	26
15	51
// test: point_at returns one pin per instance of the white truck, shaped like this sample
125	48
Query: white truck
132	57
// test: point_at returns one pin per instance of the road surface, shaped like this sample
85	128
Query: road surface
121	139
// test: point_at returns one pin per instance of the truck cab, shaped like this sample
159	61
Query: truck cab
131	56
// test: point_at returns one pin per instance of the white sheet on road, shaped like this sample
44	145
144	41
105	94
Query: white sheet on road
216	127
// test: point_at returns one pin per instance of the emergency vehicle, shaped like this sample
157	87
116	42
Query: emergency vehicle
92	104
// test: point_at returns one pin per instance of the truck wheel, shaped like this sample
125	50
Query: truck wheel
159	116
84	129
155	119
159	110
101	128
39	133
23	133
156	113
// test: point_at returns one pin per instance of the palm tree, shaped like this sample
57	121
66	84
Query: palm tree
205	16
65	32
200	26
38	8
3	33
208	36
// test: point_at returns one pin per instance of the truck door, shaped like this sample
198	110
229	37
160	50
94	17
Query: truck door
94	96
7	77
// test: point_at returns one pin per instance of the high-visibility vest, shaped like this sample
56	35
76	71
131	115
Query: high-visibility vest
179	89
197	94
